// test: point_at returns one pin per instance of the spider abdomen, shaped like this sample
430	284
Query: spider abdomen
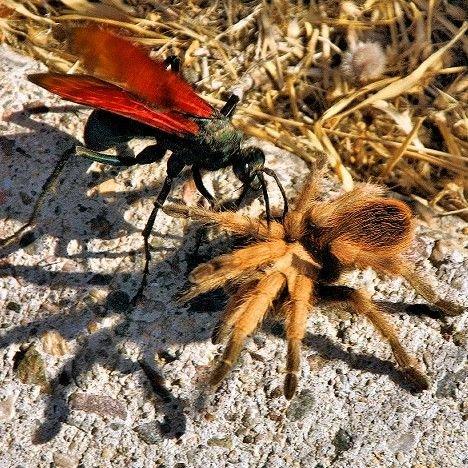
374	229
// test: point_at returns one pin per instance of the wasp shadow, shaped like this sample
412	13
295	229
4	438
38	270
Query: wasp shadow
63	209
66	213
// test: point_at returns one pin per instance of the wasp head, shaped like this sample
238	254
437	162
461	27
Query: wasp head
249	163
249	167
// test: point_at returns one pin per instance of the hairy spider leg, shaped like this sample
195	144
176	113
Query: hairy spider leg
300	288
264	293
363	305
426	290
232	311
230	220
241	262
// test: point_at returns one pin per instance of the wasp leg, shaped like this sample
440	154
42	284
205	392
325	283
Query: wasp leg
50	185
265	197
245	190
202	231
175	165
230	106
150	154
273	174
197	178
173	62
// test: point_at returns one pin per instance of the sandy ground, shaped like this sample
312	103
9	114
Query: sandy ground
86	380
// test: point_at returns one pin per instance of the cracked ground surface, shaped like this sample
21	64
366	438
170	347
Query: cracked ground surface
86	380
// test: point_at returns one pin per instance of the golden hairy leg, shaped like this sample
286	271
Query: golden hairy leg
241	262
425	286
253	310
363	305
427	290
300	289
234	309
234	222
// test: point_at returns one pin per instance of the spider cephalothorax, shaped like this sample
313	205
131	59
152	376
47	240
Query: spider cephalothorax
294	264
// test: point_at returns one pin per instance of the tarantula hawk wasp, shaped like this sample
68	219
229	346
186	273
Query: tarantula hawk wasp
136	96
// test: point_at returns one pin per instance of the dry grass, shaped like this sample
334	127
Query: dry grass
399	117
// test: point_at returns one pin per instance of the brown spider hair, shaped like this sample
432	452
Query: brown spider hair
294	264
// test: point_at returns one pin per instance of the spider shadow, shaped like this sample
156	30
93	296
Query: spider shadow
411	309
330	350
104	346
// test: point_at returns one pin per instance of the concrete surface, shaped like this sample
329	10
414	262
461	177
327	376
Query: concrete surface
87	381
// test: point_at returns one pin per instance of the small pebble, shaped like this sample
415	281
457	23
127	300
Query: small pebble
225	442
98	404
149	432
7	409
301	406
53	343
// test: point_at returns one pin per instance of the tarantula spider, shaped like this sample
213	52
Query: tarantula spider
294	263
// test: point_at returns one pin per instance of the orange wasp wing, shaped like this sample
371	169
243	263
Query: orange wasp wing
114	58
90	91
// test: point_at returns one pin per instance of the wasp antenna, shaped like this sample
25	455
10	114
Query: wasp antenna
172	63
265	196
230	105
273	174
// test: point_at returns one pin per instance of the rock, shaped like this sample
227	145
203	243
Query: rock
149	432
300	406
342	441
62	460
99	404
225	442
404	442
53	343
7	409
30	368
447	385
460	338
13	306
